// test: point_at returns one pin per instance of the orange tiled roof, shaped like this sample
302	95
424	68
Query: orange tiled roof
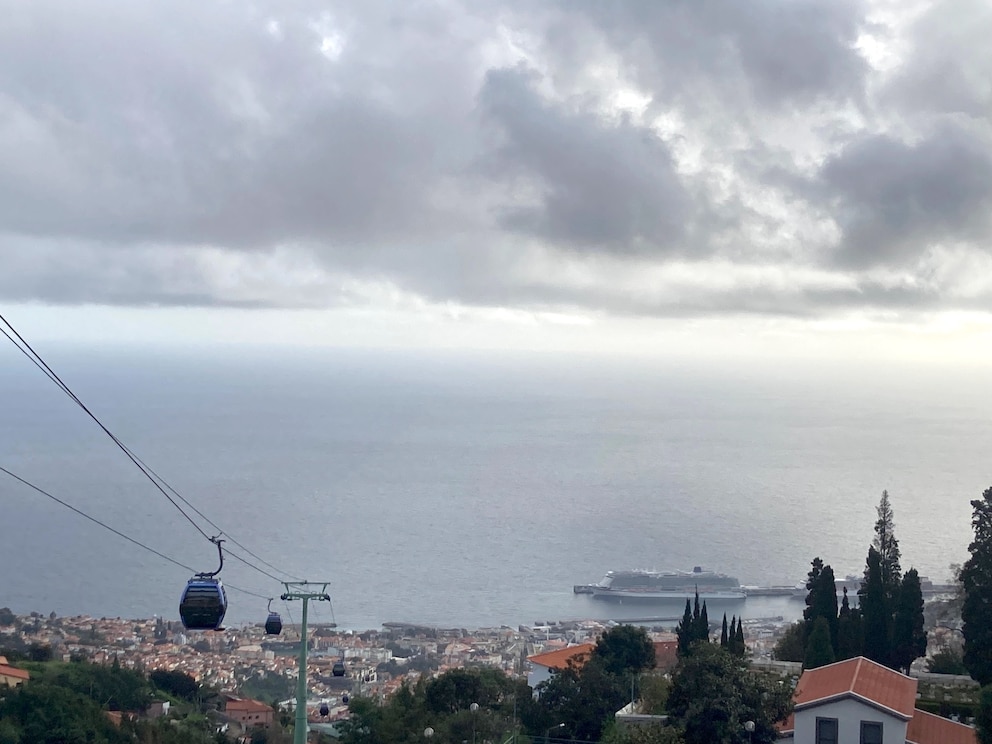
926	728
247	706
862	678
559	659
666	654
9	671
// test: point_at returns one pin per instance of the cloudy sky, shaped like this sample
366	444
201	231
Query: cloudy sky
586	174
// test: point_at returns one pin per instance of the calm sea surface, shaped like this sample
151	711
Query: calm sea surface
473	491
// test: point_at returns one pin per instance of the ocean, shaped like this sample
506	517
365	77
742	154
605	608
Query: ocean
473	490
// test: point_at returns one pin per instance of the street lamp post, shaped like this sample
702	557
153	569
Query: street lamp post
474	707
547	734
749	727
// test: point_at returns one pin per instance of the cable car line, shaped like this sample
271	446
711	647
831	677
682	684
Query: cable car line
39	362
25	348
260	570
117	532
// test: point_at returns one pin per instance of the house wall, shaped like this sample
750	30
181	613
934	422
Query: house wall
10	680
537	675
849	714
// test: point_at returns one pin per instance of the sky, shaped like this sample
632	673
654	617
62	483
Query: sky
701	177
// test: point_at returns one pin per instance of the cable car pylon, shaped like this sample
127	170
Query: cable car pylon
305	591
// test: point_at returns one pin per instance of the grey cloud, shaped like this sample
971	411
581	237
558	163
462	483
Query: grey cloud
893	199
196	124
780	52
947	62
182	153
600	186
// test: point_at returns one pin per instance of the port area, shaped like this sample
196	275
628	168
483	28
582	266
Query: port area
750	591
929	592
770	591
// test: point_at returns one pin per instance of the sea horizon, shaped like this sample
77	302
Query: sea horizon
474	490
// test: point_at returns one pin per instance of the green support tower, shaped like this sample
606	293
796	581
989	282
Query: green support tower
304	590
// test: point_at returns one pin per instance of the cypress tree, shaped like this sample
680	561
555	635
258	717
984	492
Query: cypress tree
819	652
976	580
723	633
821	599
848	630
845	607
703	628
684	630
875	610
909	639
739	646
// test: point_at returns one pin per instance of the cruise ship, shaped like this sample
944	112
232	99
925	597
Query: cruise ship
657	586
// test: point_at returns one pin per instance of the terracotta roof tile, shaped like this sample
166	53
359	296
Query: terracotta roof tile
248	706
926	728
863	678
9	671
559	659
666	654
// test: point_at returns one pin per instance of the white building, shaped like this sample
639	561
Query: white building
857	701
542	664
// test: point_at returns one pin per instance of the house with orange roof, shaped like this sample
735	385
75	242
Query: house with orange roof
11	676
859	701
541	665
248	713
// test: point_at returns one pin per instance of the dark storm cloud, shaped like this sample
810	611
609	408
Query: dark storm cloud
299	154
599	185
893	199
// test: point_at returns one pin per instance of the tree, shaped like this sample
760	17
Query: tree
849	640
694	626
887	545
819	651
909	639
983	721
875	612
738	647
713	693
723	633
976	580
624	649
683	630
175	683
791	644
584	699
44	713
821	600
39	652
703	625
946	661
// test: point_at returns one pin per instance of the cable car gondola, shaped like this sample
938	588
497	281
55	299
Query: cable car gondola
204	603
273	623
324	710
338	669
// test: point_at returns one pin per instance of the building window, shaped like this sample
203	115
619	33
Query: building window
826	731
871	732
